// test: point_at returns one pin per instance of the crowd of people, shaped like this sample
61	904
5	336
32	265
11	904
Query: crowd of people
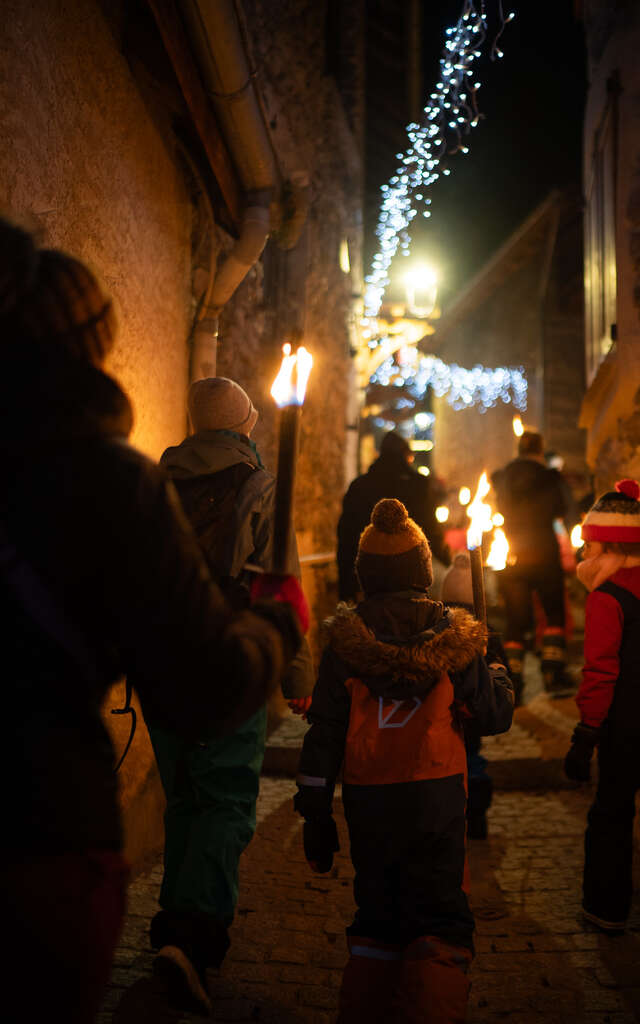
113	566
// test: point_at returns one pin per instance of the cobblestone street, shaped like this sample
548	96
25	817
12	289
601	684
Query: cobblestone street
536	960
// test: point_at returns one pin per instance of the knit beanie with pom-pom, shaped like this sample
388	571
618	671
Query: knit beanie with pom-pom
393	554
615	517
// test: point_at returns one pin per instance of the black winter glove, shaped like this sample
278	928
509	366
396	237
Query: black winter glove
320	844
577	763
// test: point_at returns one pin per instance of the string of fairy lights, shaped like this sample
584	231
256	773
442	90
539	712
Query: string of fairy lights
463	388
448	117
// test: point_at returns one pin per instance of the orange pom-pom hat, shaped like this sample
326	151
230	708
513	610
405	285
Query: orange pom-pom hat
393	554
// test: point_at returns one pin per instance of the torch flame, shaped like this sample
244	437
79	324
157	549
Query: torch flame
480	514
498	552
518	429
284	390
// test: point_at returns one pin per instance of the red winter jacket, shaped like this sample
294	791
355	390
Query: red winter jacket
603	640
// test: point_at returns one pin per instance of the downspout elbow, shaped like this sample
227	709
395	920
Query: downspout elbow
245	253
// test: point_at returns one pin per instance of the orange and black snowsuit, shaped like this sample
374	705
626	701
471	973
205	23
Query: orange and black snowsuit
396	677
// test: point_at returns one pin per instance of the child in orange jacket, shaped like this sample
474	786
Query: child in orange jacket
397	675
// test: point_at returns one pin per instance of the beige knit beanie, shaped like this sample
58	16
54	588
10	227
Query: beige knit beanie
217	403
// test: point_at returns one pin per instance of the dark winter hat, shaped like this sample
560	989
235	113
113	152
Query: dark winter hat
52	299
394	445
615	516
217	403
530	443
393	553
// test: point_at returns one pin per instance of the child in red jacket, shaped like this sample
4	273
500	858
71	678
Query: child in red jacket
609	701
397	675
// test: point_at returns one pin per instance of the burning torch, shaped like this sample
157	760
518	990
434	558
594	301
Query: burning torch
288	390
480	514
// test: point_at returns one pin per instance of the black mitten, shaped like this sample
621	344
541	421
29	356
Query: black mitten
320	844
577	763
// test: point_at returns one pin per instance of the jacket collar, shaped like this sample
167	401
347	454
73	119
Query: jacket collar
209	451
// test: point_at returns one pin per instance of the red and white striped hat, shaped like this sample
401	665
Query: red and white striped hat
615	516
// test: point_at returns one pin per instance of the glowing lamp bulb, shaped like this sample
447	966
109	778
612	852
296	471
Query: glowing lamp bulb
442	513
518	429
464	496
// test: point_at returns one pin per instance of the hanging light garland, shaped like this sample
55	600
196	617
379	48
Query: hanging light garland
463	388
450	114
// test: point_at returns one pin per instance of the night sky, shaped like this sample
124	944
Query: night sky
528	142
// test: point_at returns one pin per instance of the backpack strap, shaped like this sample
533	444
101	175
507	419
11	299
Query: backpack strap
627	601
126	709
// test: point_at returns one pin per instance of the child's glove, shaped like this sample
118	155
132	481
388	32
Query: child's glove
300	706
285	589
320	844
577	763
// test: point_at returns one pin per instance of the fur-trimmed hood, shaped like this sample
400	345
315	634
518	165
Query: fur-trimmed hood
404	663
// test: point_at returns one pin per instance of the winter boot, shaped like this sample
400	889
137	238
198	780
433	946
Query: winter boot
368	982
433	984
187	944
186	984
515	656
554	658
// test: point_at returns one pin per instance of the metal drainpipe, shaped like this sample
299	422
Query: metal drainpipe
216	37
246	251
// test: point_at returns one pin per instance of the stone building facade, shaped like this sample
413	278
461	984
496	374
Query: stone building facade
611	408
523	309
112	147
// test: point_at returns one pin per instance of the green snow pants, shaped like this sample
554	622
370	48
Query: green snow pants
211	790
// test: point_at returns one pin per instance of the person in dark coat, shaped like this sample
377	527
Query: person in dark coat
397	676
391	475
100	576
609	702
531	496
212	787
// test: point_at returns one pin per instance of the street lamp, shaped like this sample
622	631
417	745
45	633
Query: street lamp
421	288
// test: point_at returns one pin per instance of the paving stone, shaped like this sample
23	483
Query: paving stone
537	962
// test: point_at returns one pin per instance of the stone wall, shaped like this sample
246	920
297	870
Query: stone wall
88	155
613	413
304	292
